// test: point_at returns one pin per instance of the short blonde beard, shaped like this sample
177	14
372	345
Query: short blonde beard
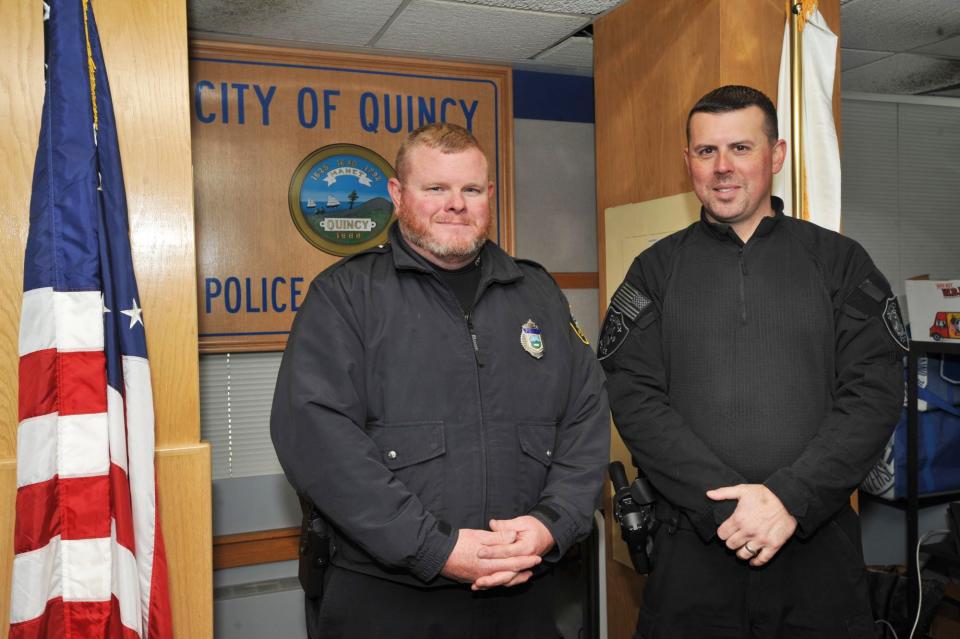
420	235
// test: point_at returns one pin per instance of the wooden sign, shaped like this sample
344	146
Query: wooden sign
292	150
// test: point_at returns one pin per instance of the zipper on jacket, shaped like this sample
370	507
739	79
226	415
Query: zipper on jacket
743	286
483	439
473	339
475	343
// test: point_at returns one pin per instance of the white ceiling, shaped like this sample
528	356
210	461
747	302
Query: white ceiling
887	46
901	46
530	34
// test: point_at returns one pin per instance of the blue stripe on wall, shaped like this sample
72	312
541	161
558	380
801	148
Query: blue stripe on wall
552	96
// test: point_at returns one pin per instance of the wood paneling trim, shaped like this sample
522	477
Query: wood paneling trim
577	280
260	547
243	344
8	500
243	51
184	495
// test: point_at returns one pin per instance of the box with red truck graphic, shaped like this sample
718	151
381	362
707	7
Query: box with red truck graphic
934	309
945	326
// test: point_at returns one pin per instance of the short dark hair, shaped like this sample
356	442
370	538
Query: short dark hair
734	97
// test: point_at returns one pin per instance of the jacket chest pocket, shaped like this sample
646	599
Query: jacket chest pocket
537	446
414	452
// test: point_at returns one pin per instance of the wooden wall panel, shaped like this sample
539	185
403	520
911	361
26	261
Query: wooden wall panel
21	98
8	491
145	50
145	46
752	34
652	61
183	476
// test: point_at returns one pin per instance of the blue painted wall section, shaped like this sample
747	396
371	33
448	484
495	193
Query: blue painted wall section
552	96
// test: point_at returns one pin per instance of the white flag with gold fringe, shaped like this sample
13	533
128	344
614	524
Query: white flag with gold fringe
820	150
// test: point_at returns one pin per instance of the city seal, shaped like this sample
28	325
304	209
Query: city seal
338	199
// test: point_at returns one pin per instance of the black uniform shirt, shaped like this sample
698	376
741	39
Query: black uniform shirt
773	361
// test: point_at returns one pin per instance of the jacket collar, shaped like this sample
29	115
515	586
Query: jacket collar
495	264
721	230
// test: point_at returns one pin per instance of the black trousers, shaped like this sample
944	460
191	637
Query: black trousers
357	606
813	588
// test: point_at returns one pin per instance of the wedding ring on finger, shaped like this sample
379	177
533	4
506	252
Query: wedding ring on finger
753	553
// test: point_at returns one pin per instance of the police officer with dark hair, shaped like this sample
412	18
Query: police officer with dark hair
443	418
754	364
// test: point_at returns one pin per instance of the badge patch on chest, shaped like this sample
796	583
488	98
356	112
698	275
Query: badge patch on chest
894	323
531	339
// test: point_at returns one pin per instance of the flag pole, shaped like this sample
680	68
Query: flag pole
796	109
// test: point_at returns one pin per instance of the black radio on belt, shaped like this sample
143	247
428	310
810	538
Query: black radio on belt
633	508
314	551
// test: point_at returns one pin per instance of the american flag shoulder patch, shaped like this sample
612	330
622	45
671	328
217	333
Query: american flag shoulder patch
630	301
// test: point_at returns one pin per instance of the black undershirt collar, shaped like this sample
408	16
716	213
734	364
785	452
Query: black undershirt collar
463	282
721	230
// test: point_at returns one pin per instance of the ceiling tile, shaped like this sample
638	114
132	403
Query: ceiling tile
904	73
572	52
582	7
949	48
335	22
888	25
853	58
464	30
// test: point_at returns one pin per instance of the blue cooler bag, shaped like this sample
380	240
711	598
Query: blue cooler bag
938	448
940	376
938	435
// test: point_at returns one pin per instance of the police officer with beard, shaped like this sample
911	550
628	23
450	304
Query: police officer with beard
440	411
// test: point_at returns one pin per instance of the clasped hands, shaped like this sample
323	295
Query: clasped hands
759	526
502	556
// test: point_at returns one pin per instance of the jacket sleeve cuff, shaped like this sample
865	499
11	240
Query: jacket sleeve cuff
792	497
434	552
707	524
561	527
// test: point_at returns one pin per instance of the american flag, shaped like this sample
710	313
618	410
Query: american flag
89	559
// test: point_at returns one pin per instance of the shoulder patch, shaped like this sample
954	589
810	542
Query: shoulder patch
577	329
629	301
894	323
613	334
869	297
871	290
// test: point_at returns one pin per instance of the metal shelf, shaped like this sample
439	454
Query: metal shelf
929	499
913	500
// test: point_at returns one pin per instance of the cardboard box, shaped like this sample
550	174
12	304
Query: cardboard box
934	308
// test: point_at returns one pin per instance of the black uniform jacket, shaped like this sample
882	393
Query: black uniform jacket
778	361
404	420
